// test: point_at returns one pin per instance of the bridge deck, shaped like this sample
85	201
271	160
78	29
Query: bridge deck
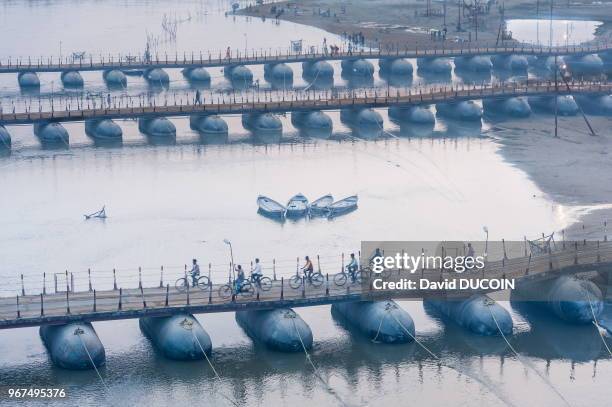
312	100
213	59
62	307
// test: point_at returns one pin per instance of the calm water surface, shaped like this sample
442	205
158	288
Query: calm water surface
170	203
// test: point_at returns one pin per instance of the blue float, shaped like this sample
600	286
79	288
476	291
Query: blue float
281	72
514	63
5	138
262	123
357	67
571	299
103	129
462	111
513	107
412	114
362	118
157	77
28	80
590	64
316	70
278	329
209	125
115	78
73	346
478	314
198	75
240	76
478	63
397	67
597	105
156	127
382	321
72	79
178	337
51	132
566	105
434	65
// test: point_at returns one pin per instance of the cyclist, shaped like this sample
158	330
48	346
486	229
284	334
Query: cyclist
308	269
352	267
240	278
257	273
195	273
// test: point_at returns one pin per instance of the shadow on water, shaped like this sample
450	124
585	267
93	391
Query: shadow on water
551	338
458	128
434	77
415	129
214	139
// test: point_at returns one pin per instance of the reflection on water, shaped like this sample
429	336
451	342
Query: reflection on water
555	32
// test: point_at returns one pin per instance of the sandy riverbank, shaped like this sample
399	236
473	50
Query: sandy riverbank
408	22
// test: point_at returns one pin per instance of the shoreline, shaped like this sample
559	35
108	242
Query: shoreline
396	22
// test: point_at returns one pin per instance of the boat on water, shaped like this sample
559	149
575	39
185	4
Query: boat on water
343	206
297	206
321	205
269	207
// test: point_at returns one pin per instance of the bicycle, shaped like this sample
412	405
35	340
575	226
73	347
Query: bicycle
265	283
341	278
246	289
203	282
316	279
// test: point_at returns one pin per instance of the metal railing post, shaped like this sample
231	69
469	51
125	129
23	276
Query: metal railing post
161	278
282	295
89	278
22	287
95	308
18	310
67	302
42	306
120	298
114	280
167	294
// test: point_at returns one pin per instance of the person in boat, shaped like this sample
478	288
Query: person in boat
352	267
257	273
240	278
195	273
308	269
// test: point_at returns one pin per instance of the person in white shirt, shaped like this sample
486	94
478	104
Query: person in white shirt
195	273
257	272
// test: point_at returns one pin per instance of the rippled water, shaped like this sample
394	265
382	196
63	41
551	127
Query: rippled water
170	203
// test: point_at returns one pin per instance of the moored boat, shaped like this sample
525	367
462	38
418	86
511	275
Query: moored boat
297	206
321	205
269	207
343	206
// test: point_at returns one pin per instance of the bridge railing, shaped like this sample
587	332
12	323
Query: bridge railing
240	56
68	108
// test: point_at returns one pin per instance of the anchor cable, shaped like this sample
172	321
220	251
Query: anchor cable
520	359
595	321
213	369
78	333
316	371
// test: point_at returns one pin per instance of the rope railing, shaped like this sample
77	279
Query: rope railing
280	54
65	108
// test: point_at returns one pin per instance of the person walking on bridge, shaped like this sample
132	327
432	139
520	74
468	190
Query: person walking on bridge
198	98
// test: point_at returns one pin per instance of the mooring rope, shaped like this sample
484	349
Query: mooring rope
379	326
520	359
480	380
213	369
595	321
316	371
78	332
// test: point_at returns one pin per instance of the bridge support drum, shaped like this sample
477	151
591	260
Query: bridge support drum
73	346
177	337
28	80
5	138
72	79
380	321
115	78
279	329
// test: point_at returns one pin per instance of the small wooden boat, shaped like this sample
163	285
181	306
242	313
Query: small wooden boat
101	214
269	207
343	206
297	206
321	205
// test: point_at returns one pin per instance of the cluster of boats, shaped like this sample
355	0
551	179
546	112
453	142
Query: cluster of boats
298	207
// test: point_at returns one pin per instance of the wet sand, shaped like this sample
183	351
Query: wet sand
386	23
575	169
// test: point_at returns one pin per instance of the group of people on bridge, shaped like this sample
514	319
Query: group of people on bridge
257	272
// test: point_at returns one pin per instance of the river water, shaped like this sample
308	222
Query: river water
170	203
